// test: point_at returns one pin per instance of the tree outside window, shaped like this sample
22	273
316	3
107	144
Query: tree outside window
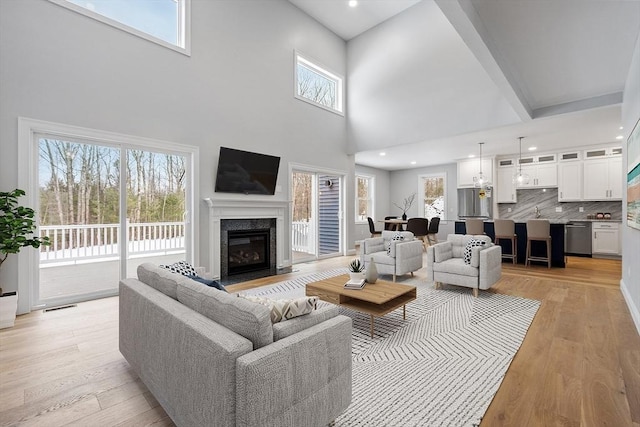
364	197
433	191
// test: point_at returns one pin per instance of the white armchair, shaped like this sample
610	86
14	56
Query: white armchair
445	263
395	257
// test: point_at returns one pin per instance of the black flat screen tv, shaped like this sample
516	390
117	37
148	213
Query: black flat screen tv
245	172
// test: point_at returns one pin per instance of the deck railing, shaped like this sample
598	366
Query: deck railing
81	242
301	237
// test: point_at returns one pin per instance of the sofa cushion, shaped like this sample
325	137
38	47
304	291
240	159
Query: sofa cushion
383	259
251	320
285	309
455	266
161	279
468	249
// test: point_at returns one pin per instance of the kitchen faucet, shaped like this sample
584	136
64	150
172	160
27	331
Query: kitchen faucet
536	212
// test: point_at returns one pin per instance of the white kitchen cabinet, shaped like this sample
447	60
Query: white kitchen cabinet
603	178
569	181
542	171
504	187
468	170
606	238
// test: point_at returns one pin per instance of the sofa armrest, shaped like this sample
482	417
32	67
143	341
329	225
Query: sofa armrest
409	256
186	360
490	269
303	379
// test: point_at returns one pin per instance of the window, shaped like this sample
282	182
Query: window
364	197
161	21
317	86
433	190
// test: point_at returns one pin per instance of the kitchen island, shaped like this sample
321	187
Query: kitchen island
537	247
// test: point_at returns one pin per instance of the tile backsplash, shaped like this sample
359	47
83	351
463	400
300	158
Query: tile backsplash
547	201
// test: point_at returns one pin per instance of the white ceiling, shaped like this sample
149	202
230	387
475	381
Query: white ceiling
348	22
488	70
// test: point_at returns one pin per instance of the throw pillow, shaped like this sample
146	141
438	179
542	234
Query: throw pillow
181	267
469	247
209	282
285	309
390	244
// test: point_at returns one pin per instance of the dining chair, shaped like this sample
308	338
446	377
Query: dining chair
389	226
538	229
420	228
372	228
474	226
432	233
506	230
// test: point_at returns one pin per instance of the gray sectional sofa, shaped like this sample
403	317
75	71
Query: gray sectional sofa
213	359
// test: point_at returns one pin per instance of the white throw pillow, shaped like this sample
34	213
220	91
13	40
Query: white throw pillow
469	248
285	309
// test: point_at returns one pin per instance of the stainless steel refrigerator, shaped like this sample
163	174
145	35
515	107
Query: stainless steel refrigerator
470	205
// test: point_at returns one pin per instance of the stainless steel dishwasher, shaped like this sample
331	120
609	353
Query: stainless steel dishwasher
577	239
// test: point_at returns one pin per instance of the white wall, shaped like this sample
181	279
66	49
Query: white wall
630	283
236	88
405	182
381	200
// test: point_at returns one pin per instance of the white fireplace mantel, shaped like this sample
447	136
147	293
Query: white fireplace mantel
220	209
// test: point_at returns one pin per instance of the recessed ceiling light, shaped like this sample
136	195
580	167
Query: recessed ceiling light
621	127
533	148
353	3
383	153
413	162
471	156
619	137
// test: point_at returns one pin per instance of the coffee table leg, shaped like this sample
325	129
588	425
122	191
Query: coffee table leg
371	325
404	312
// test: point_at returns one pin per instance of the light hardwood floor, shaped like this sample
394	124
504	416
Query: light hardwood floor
579	364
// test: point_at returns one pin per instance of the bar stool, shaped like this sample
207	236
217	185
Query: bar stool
506	229
474	226
538	229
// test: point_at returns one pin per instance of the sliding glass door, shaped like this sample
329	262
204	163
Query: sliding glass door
317	215
106	208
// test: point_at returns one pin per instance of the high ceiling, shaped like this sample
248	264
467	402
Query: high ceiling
480	70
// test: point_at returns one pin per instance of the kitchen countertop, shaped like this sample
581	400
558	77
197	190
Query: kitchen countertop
556	221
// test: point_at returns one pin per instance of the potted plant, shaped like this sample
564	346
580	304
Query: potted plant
17	225
406	204
356	270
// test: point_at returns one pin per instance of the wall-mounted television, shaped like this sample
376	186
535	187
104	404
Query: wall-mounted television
246	172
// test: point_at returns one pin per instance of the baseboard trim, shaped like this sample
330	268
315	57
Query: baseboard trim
635	312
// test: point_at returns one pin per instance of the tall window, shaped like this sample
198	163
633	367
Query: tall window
317	85
162	21
433	190
364	197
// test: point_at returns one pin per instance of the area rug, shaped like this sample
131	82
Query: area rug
439	367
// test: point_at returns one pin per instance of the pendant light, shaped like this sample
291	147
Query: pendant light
520	179
480	180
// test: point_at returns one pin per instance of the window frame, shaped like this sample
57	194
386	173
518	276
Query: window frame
421	179
184	25
323	71
370	199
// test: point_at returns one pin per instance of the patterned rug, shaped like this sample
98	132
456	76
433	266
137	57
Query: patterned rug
439	367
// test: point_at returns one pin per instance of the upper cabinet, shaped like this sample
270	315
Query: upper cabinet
603	174
469	169
542	171
570	181
603	179
505	190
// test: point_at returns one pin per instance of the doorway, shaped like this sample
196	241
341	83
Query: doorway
317	221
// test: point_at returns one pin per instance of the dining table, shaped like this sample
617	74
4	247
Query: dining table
396	222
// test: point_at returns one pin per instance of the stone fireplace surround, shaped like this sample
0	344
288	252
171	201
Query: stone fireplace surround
220	209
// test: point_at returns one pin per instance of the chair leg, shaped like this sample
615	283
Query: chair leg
437	285
514	246
548	253
394	277
526	262
475	292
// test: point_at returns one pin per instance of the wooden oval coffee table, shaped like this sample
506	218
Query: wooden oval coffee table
375	299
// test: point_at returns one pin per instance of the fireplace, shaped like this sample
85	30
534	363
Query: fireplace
248	250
